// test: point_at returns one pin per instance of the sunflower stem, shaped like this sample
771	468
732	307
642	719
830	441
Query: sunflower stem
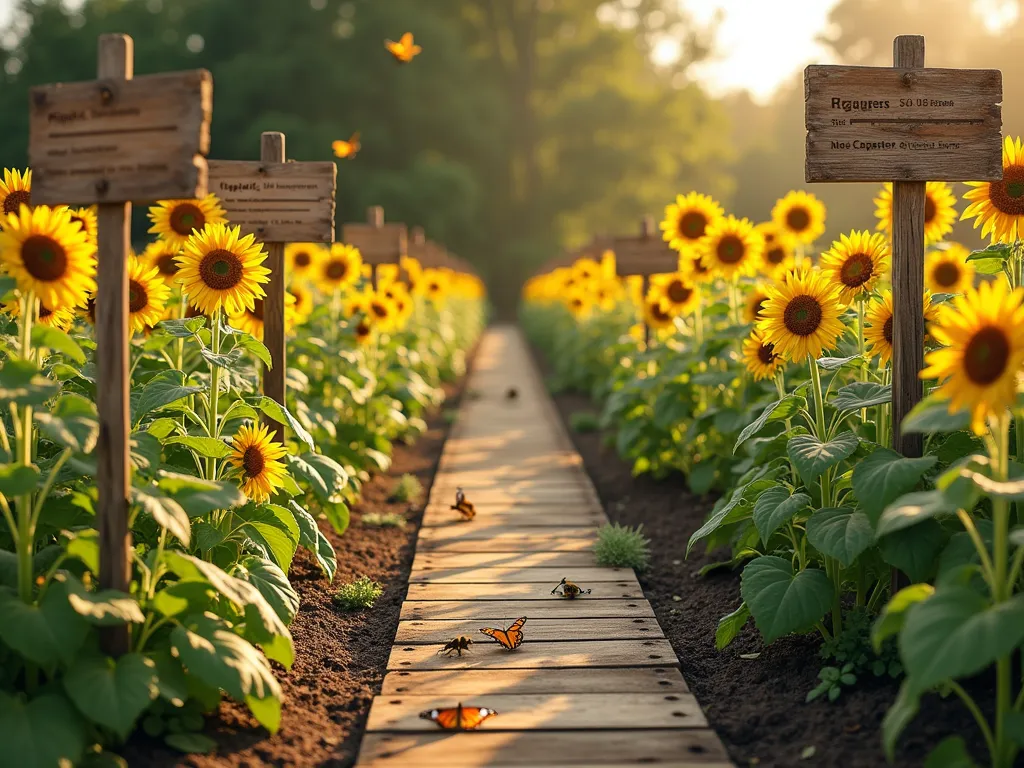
23	510
819	420
211	464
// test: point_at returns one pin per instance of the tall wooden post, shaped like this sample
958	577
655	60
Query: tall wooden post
908	202
272	150
379	243
116	61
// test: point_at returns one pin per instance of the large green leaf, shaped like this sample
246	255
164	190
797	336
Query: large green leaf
55	339
313	539
198	496
46	633
105	608
282	415
730	625
884	476
301	468
782	601
840	532
899	716
333	474
811	457
22	383
776	411
184	328
165	511
257	348
861	394
775	507
16	479
274	529
932	415
165	388
890	620
956	633
915	551
735	509
207	447
43	733
913	509
112	693
71	423
267	711
273	584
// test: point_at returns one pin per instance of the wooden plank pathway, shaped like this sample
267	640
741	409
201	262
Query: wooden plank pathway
595	682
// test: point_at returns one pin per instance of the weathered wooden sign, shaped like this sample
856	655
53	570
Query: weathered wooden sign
903	124
379	243
278	202
645	255
120	140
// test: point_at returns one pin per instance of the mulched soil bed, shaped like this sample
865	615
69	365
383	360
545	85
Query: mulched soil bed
340	658
756	705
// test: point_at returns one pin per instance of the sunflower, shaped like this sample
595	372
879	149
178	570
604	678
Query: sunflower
998	206
220	268
755	303
939	210
586	269
778	254
608	267
687	220
607	292
879	324
363	331
15	191
339	267
679	293
801	216
658	313
49	256
413	269
947	270
86	219
855	262
731	247
398	294
578	304
147	295
256	461
303	301
801	316
983	334
382	310
162	256
759	356
302	258
387	274
251	320
434	285
176	220
695	266
62	319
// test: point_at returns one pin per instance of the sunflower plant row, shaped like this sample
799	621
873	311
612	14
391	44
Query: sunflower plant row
219	507
767	378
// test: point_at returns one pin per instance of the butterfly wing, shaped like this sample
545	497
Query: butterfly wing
515	633
472	717
447	718
500	635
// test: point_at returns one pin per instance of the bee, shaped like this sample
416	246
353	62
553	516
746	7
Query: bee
462	506
458	645
569	590
511	393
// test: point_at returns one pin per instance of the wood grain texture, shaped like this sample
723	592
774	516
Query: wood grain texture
437	633
509	610
462	682
645	256
544	516
424	560
549	655
272	155
515	575
120	139
545	712
600	590
378	245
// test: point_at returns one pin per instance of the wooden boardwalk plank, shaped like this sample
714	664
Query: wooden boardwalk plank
599	590
520	517
492	610
507	559
585	653
440	632
462	682
549	711
582	576
511	534
507	542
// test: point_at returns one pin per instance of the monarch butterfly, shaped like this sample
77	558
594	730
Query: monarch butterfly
462	506
569	590
458	718
459	644
347	149
510	638
404	50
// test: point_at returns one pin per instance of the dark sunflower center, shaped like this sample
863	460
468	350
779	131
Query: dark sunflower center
363	329
803	315
766	353
90	308
692	225
660	314
577	303
220	270
186	217
44	312
856	270
434	287
1007	196
303	259
253	461
798	219
930	209
44	258
16	199
758	306
336	270
167	265
257	309
987	355
887	330
730	250
947	274
678	293
699	267
775	255
379	309
138	298
80	222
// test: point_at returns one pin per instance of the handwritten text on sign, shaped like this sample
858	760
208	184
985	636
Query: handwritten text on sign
885	124
120	141
277	202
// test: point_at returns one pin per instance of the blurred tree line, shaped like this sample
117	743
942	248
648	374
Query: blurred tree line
523	126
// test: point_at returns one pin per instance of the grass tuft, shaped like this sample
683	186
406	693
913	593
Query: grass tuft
622	547
358	595
384	520
408	490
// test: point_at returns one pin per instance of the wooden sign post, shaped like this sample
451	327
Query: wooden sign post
279	202
909	125
114	141
644	256
379	243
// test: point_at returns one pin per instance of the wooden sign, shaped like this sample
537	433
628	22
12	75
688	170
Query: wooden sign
903	124
379	243
120	140
645	255
278	202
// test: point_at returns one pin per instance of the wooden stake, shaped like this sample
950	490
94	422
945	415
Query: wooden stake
908	203
115	62
272	150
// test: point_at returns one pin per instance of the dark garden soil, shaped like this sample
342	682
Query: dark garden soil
340	658
757	704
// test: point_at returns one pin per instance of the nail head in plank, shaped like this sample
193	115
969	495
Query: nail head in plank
491	610
596	653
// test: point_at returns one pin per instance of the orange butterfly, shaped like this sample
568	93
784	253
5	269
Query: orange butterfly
510	638
462	506
347	149
404	50
458	718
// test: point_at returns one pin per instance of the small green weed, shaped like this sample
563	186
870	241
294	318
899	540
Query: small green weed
384	520
584	421
622	547
408	490
359	594
832	681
